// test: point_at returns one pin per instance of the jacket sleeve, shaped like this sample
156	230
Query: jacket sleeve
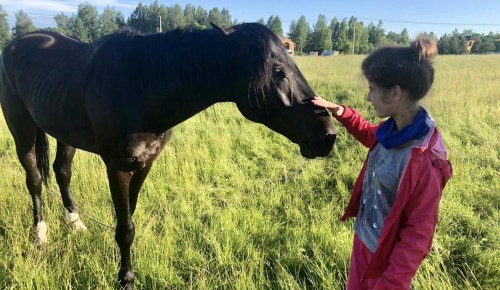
420	214
358	127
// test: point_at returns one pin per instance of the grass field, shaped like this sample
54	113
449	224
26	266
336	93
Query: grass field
232	205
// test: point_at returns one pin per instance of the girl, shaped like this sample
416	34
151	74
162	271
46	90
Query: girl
396	196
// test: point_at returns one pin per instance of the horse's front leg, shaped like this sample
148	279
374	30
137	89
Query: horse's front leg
136	184
62	169
119	182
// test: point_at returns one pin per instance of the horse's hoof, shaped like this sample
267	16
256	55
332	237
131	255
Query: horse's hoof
73	218
126	279
40	234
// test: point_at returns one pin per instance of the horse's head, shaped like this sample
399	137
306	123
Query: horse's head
270	89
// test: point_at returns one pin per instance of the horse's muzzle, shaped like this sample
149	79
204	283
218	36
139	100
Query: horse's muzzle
319	149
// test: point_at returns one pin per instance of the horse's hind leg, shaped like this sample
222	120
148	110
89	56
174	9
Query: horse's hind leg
24	137
27	157
28	138
62	170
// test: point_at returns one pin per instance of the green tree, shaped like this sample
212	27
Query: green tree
226	18
452	44
496	41
274	23
343	42
483	43
120	20
158	17
335	27
376	34
201	17
214	16
392	38
23	24
190	16
404	38
468	32
321	35
429	34
363	46
352	31
139	19
175	18
108	22
64	23
4	28
299	32
86	23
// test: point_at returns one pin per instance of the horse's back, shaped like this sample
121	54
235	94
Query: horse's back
32	58
44	70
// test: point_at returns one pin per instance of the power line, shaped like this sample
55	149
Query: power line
410	22
431	23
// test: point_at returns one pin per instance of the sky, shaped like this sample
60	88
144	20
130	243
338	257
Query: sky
438	16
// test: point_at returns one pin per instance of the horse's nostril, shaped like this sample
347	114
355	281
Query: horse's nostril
131	159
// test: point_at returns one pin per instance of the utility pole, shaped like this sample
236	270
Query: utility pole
160	23
354	36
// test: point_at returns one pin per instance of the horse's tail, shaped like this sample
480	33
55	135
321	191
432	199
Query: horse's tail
42	155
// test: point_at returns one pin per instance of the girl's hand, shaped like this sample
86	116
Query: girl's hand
336	110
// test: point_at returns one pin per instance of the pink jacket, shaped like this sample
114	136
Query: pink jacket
409	228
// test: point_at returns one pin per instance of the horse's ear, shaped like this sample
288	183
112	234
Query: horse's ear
225	31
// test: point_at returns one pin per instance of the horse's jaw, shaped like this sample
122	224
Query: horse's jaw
307	151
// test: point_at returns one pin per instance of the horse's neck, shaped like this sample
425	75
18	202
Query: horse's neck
170	111
176	102
180	82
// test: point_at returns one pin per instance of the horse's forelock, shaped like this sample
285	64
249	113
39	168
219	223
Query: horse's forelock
259	40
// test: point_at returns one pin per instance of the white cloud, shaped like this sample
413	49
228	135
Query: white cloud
42	12
56	6
13	6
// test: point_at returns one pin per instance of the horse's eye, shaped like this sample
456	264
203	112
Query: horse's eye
278	73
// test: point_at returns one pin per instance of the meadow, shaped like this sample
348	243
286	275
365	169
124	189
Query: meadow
230	204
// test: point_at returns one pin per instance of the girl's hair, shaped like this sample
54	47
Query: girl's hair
408	67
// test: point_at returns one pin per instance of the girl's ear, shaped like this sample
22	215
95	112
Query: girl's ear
397	93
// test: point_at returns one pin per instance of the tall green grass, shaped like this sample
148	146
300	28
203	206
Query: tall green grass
231	205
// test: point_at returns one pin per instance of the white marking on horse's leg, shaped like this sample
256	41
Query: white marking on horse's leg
74	219
40	234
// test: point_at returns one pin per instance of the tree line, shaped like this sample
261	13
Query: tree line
349	36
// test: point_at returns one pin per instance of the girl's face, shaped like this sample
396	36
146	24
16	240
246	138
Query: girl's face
381	99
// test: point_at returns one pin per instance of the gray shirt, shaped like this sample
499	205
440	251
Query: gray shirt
380	185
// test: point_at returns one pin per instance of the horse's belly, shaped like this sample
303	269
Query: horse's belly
68	126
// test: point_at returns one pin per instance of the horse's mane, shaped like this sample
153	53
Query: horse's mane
197	58
156	58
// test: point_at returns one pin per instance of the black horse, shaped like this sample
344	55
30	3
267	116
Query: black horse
120	97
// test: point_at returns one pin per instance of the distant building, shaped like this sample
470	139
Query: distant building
289	44
329	52
470	42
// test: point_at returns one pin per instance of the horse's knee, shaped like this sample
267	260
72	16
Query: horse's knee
61	171
125	234
34	181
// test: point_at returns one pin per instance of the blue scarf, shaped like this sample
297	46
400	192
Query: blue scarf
390	138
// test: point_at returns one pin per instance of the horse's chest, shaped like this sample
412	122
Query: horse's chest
140	149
